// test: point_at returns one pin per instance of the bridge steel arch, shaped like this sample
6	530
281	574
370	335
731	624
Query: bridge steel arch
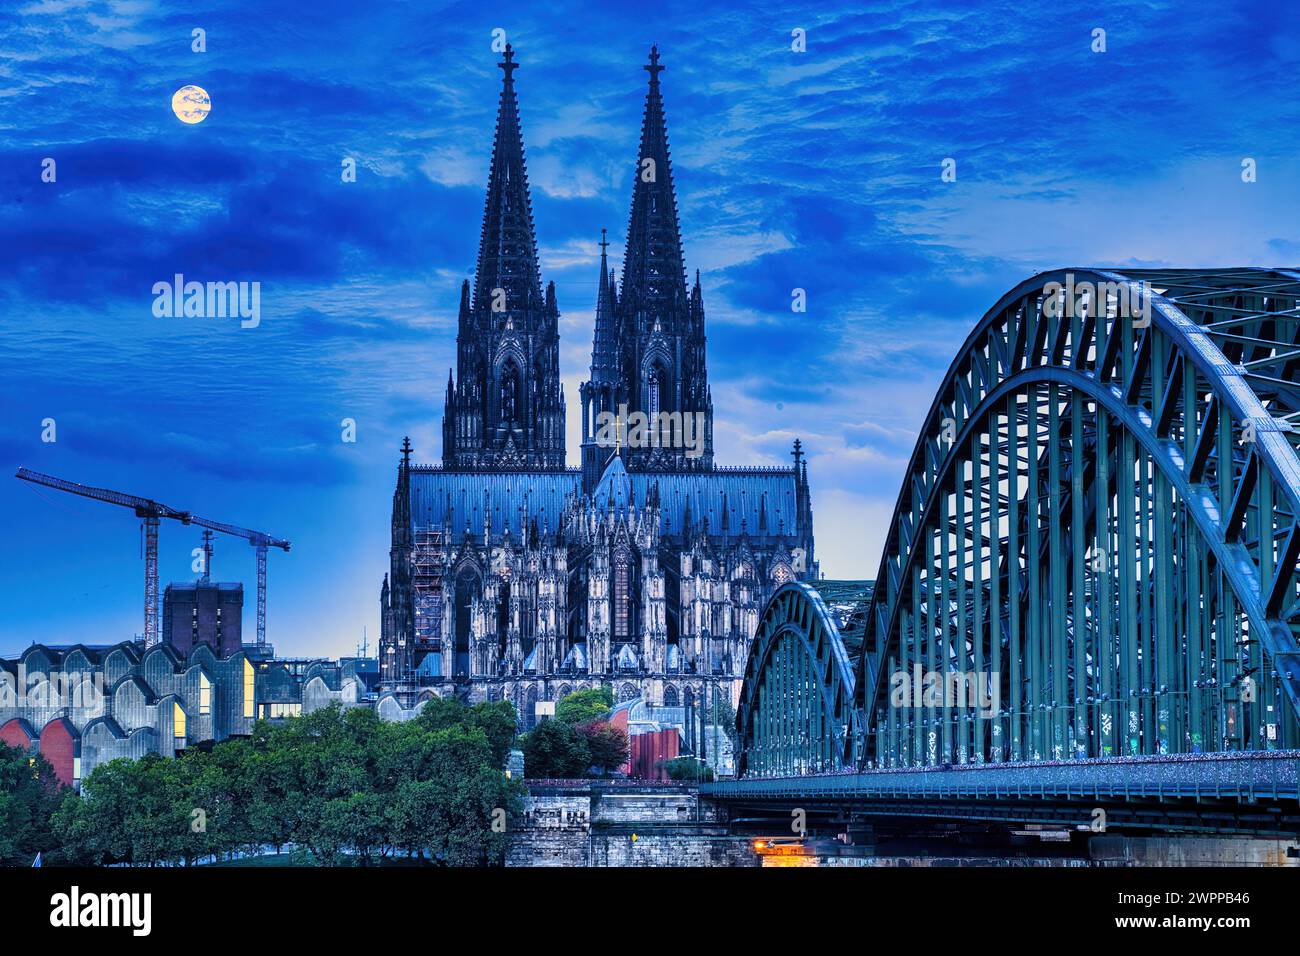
1095	551
796	714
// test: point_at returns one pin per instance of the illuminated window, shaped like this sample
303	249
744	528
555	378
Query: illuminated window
76	768
205	695
622	572
248	688
274	711
178	721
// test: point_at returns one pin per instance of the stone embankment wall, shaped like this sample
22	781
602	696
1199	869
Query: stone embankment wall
585	823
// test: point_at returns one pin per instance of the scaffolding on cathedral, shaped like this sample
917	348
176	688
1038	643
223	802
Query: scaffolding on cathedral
426	582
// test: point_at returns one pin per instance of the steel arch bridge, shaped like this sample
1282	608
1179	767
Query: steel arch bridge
1093	560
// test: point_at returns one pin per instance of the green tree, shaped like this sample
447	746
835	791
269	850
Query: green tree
722	714
584	706
439	713
29	794
222	795
554	749
497	719
324	765
129	811
500	723
472	789
274	812
341	786
606	745
687	769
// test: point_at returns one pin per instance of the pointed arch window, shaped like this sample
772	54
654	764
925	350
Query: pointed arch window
530	707
622	594
468	589
652	399
509	397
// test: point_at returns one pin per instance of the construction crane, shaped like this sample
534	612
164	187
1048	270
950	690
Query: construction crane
260	543
150	513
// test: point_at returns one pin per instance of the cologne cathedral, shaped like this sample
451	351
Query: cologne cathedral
645	569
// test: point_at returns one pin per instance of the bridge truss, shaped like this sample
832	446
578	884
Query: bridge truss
1094	553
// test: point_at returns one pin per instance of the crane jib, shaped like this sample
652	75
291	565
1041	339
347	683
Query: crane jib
150	512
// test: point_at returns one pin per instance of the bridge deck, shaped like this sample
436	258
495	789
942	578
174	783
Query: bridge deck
1272	775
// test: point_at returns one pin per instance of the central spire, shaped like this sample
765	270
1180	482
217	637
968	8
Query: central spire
507	254
604	347
654	275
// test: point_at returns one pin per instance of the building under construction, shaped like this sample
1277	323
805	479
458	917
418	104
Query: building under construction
190	681
151	513
203	612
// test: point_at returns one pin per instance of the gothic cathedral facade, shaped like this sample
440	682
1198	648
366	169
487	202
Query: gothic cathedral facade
645	569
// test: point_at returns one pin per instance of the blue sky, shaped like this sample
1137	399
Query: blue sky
818	170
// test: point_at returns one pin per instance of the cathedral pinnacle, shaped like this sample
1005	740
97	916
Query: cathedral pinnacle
653	67
653	269
509	65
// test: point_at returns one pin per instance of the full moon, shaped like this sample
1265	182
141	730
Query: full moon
191	104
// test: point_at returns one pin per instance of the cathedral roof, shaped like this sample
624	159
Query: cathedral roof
615	487
755	501
452	500
749	499
577	657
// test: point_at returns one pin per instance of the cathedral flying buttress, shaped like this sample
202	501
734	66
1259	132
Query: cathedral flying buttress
645	569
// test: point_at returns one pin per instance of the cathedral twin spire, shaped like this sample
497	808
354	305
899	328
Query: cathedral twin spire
648	358
507	252
505	406
654	275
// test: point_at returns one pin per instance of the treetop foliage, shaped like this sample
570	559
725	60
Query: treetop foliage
584	706
338	787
